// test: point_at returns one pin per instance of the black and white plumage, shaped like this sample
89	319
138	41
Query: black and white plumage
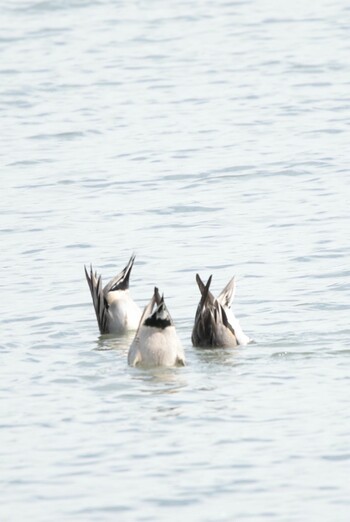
156	342
215	324
116	312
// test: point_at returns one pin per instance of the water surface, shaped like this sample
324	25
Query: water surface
209	137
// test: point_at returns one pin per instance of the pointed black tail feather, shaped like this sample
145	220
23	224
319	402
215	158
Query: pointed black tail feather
98	300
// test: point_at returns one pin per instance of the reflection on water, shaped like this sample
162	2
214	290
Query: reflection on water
167	412
160	380
114	342
219	356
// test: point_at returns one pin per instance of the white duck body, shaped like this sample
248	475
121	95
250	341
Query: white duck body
225	299
159	347
124	313
241	337
156	342
116	312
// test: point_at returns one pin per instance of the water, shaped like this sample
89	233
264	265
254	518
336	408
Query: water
204	136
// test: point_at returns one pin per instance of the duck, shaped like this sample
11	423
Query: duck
116	311
215	324
156	342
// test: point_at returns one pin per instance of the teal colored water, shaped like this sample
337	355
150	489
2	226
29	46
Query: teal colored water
208	137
